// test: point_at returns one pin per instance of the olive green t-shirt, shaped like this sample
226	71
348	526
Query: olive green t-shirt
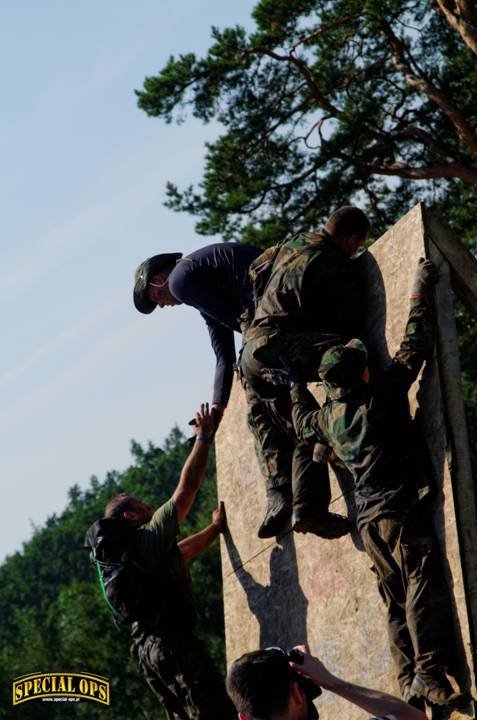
155	549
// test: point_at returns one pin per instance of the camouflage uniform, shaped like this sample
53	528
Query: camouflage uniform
311	300
371	432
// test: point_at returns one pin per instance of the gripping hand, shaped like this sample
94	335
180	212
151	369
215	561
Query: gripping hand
279	376
426	276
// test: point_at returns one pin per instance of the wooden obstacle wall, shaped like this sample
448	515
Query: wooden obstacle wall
301	588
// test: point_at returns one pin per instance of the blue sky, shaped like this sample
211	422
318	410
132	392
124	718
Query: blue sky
84	172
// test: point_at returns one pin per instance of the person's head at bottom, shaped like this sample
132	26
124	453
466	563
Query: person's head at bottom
263	686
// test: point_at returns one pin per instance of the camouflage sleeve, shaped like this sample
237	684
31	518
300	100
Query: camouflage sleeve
306	415
417	343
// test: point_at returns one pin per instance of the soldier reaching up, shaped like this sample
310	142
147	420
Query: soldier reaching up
366	421
147	583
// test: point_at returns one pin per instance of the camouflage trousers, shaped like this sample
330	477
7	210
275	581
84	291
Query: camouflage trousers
184	679
410	580
285	462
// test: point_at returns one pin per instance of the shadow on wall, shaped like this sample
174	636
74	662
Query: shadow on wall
288	607
376	312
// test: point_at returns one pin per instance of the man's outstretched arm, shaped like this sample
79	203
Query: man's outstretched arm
306	414
195	466
417	344
195	544
378	703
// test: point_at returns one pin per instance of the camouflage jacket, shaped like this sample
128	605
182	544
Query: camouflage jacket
370	429
312	285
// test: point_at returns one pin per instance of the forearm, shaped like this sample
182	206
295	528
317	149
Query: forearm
418	340
222	384
223	378
191	477
223	345
196	544
303	412
373	701
419	335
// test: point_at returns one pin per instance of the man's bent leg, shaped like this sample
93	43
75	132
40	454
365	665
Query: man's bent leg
208	699
274	439
184	678
424	601
312	495
278	450
428	608
310	479
274	444
381	542
158	664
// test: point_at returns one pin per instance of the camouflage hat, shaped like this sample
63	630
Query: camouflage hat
142	278
342	365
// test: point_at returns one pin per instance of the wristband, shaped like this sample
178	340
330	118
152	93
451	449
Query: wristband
203	438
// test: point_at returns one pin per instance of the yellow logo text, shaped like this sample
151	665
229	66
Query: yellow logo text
64	686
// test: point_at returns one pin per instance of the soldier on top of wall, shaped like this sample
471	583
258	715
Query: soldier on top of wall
214	280
307	297
367	423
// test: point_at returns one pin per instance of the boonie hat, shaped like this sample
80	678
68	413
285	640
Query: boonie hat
342	365
143	275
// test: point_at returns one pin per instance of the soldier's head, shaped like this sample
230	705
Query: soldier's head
151	282
345	366
262	685
129	508
349	228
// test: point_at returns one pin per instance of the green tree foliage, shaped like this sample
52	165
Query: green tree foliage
52	613
322	103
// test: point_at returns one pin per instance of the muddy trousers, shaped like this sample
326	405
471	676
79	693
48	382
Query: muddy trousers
284	461
183	677
407	565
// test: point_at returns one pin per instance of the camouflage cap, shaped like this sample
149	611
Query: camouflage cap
342	365
143	275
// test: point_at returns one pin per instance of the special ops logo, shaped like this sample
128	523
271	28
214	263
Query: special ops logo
55	687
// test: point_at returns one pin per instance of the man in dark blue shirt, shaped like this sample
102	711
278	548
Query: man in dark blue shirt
214	280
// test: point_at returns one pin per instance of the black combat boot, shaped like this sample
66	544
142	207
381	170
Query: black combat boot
411	698
437	691
278	511
325	524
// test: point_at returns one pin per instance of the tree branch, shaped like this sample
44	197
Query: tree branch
421	84
321	99
430	172
426	139
458	19
324	28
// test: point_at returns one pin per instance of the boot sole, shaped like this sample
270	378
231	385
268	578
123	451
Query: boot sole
272	527
308	526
